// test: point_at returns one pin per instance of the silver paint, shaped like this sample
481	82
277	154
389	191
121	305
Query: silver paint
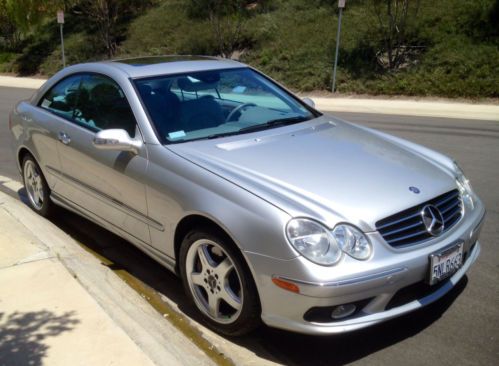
251	185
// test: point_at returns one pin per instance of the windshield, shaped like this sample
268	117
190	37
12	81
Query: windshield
212	104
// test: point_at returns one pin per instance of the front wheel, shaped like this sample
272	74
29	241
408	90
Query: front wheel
37	188
217	280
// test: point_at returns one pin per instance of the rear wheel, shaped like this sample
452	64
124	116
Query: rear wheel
36	187
217	280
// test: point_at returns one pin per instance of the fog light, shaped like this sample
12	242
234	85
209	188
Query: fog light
342	311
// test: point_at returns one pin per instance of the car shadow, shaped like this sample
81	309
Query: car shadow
266	343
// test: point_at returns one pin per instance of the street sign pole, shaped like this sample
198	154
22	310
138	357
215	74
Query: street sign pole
341	5
60	20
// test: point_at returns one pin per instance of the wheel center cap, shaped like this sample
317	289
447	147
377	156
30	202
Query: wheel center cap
212	282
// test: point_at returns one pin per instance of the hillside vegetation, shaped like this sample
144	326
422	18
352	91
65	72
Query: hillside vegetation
447	48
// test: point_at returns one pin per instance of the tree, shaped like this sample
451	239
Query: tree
227	20
396	21
26	14
19	17
9	35
109	16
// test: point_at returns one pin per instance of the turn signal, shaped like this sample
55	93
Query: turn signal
286	285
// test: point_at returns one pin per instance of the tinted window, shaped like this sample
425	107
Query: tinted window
62	98
102	105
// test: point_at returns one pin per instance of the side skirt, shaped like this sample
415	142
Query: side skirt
161	258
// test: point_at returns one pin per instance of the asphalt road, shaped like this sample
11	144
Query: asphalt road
460	329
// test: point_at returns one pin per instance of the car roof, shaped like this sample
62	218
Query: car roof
141	67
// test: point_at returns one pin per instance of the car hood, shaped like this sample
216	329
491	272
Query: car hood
326	169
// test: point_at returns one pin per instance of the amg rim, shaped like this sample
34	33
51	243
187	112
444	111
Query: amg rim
214	281
33	183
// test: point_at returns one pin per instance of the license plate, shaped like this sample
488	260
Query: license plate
445	263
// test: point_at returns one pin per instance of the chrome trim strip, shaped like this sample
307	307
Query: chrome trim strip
419	223
111	201
453	206
451	197
408	236
349	281
391	223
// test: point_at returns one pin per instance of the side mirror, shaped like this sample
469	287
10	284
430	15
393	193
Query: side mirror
309	102
116	139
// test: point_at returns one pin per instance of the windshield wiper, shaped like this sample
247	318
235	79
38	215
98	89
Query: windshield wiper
274	123
223	134
261	126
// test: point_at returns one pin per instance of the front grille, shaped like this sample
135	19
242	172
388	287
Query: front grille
407	227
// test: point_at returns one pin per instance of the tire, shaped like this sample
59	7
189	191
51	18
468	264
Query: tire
37	189
219	284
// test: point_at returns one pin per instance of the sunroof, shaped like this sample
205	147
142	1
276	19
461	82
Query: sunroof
144	61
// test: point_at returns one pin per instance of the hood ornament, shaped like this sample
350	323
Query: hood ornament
414	190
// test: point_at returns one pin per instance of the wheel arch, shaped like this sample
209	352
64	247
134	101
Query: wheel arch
21	153
197	220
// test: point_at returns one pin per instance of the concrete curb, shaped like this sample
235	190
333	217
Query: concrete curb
485	112
137	334
19	82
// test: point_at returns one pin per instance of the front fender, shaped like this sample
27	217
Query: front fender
177	187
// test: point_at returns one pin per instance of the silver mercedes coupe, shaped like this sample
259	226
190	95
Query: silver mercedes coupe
266	208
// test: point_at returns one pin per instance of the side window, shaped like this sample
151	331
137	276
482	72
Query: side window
103	105
62	98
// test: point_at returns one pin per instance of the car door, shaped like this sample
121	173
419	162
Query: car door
107	184
44	122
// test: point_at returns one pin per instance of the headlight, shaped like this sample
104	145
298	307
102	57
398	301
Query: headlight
325	247
464	183
313	241
464	186
352	241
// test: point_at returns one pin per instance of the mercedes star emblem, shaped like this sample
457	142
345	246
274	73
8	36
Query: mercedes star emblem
432	220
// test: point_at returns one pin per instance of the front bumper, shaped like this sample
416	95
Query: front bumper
374	284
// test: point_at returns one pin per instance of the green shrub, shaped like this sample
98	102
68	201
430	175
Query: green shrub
78	47
7	60
455	45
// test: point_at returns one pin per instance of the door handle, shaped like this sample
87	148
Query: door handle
64	138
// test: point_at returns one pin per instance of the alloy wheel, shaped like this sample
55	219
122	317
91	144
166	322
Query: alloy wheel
214	281
34	184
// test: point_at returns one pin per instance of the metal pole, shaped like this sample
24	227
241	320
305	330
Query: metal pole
62	47
337	50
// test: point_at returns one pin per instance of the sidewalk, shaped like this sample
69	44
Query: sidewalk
407	107
18	82
48	314
486	112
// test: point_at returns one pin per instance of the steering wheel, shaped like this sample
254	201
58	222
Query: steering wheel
237	109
